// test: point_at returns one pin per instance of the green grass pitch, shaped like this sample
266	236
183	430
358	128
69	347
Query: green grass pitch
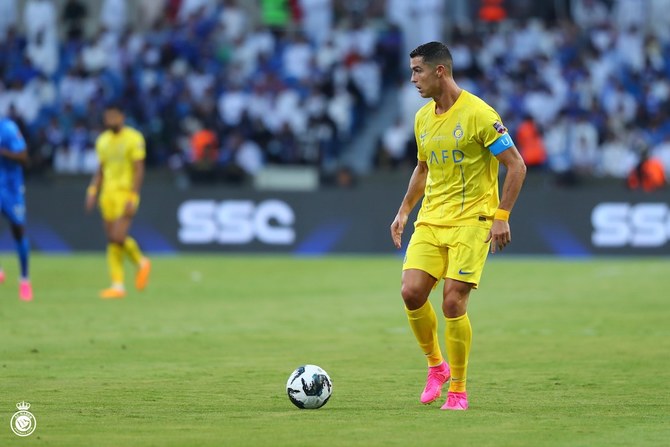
564	354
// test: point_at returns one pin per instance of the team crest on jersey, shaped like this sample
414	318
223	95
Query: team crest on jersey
458	131
499	127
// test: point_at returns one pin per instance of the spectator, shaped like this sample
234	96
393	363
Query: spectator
246	154
204	160
317	20
630	48
583	143
661	152
659	19
557	144
234	21
589	13
630	13
617	159
78	87
232	104
619	104
40	17
77	155
530	143
74	18
275	13
204	148
98	53
42	51
648	175
541	104
150	12
297	58
192	8
8	18
114	15
394	145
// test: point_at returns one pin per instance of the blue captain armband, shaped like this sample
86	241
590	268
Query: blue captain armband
501	144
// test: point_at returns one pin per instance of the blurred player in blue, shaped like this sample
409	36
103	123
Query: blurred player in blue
13	156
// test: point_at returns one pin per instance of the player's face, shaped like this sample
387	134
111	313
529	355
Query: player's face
113	119
424	77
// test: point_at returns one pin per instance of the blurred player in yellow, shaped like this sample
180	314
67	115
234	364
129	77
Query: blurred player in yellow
118	179
461	141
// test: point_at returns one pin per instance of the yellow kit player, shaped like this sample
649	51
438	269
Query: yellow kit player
461	141
118	179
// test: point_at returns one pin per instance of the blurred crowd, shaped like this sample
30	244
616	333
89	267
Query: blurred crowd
585	96
221	88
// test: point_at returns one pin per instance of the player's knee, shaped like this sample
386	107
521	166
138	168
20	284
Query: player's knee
413	296
452	307
455	304
17	232
114	239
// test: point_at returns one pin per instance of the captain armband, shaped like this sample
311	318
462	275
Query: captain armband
501	144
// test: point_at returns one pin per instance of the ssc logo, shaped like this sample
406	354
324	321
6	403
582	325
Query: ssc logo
23	422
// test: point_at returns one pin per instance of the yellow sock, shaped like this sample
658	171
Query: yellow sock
115	263
459	338
133	251
423	322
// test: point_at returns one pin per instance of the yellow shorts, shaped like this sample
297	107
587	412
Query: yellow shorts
448	252
113	204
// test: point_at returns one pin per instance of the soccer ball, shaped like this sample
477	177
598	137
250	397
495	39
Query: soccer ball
309	387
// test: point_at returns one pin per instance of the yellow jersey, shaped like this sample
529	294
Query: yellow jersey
459	147
117	153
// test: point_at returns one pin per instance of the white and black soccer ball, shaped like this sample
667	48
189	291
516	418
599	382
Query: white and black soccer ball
309	387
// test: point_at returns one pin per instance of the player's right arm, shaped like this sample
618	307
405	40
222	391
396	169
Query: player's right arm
415	190
96	181
93	188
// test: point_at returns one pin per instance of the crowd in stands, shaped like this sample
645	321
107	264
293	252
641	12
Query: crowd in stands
582	97
220	88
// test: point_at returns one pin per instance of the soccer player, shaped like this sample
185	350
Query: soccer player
13	156
461	141
118	179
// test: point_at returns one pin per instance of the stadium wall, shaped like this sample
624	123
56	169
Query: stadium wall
547	221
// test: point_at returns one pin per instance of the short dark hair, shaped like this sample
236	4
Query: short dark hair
114	106
434	53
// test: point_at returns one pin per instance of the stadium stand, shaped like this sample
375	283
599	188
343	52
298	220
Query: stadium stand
584	85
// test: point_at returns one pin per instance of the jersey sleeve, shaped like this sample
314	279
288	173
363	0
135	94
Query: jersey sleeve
420	155
491	131
137	147
12	138
99	150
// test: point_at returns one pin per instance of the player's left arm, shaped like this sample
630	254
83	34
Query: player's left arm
15	149
138	176
19	157
137	155
500	234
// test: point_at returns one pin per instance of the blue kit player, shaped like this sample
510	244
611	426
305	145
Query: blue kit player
13	156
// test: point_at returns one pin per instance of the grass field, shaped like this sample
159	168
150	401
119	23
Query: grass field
565	354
